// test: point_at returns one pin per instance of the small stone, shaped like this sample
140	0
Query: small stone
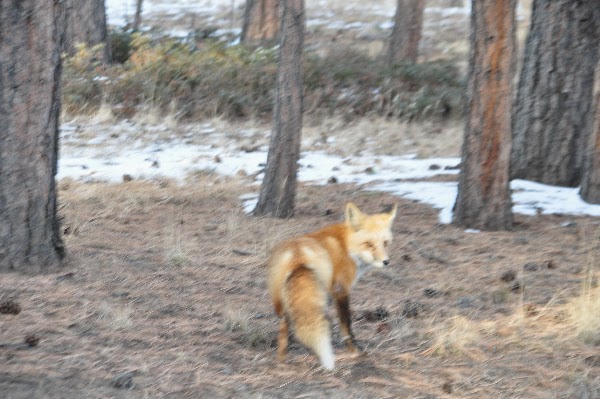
551	264
332	180
123	380
370	170
154	164
515	286
530	267
432	293
447	387
127	178
218	159
452	167
32	340
434	167
10	307
508	276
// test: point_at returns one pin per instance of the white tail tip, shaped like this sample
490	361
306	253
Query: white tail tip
326	355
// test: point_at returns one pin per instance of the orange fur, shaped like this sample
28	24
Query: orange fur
306	270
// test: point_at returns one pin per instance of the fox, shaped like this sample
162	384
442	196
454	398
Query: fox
307	271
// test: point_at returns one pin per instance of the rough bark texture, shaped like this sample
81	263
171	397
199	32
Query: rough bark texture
590	184
137	20
86	23
483	200
261	21
406	34
30	39
552	121
278	191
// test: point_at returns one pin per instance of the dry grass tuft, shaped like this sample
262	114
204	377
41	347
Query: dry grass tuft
584	310
453	337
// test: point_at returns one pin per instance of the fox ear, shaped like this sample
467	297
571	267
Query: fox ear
354	217
392	212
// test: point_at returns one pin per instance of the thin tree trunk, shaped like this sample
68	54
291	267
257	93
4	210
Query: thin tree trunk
29	111
406	34
483	200
278	191
590	184
137	20
86	23
552	123
261	21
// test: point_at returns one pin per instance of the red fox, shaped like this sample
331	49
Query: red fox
306	270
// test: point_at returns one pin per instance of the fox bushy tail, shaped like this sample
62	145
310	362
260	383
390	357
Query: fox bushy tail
305	300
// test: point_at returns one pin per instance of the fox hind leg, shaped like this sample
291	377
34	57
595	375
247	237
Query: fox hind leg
282	339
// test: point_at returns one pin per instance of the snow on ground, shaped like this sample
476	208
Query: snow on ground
320	13
115	150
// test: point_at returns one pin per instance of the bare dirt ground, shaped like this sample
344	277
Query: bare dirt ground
164	295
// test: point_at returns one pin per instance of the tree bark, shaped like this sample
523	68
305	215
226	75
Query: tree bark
31	32
552	123
86	23
590	184
278	190
406	34
261	21
137	20
483	200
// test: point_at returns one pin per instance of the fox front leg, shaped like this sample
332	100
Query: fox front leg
342	302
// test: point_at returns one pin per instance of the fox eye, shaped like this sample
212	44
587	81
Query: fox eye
369	244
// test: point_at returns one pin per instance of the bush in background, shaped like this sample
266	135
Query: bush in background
212	78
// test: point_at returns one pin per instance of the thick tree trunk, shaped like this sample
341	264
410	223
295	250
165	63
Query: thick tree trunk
86	23
137	20
278	191
406	34
483	200
590	184
30	39
261	21
552	121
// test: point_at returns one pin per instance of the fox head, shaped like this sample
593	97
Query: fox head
370	235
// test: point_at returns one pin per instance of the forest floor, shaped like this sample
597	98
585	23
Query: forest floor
163	291
163	295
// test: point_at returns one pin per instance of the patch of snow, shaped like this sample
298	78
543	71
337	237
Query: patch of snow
107	152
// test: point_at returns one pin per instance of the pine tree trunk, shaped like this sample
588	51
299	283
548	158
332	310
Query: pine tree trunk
590	184
261	21
29	111
86	23
483	200
552	123
406	34
278	191
137	20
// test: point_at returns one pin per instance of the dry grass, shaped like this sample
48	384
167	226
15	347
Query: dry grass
203	327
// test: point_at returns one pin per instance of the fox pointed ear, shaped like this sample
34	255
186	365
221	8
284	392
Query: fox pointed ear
392	212
354	217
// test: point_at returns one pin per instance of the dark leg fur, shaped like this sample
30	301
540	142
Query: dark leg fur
343	307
